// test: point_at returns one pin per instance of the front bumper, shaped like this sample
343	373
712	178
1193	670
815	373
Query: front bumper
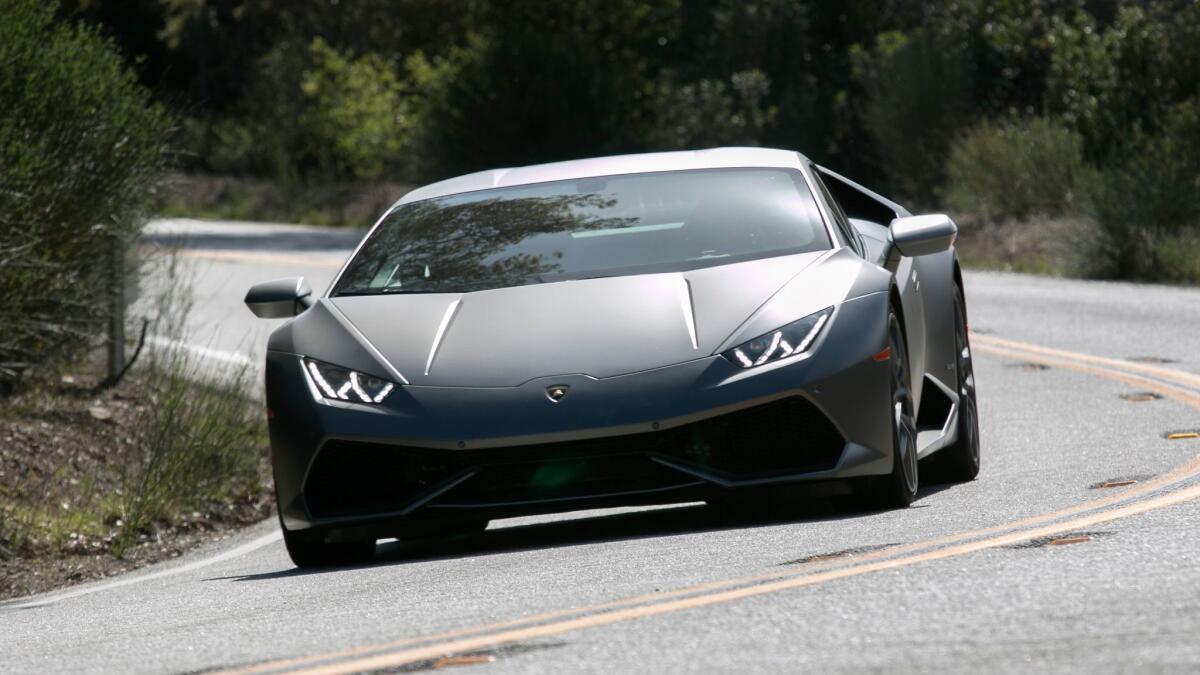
677	433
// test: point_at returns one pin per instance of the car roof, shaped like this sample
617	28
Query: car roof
715	158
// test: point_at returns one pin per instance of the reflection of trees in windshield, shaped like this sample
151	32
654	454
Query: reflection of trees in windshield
434	247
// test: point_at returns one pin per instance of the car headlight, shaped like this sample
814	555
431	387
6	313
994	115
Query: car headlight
341	384
794	338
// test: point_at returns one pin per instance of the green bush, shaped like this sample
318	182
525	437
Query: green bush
712	112
1015	169
1178	257
1106	81
81	148
356	109
917	96
312	114
1148	194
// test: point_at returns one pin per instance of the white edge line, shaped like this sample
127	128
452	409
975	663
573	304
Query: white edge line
685	302
232	358
451	309
362	340
252	545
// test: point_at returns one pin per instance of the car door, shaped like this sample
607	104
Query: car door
908	273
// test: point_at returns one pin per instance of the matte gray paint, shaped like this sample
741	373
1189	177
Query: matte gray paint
279	299
852	389
923	235
598	327
622	344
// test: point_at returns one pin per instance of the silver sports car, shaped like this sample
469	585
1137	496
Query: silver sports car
682	326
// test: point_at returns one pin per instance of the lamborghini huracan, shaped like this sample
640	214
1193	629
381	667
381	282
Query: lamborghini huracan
640	329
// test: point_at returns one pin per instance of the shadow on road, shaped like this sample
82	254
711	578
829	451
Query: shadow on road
663	522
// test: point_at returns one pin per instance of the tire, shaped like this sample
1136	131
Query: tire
899	488
308	552
959	463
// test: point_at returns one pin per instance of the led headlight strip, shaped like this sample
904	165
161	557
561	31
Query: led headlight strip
794	338
342	384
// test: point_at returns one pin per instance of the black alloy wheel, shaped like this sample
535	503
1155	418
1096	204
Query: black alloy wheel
899	488
959	463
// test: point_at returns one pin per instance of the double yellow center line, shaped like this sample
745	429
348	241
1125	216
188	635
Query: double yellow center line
1174	487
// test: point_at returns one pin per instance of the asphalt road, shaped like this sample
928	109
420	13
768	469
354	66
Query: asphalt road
1032	567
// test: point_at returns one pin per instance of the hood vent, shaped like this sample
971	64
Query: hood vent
451	310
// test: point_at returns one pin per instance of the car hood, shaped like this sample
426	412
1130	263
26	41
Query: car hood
597	327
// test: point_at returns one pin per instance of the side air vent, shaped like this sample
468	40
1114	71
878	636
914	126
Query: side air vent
935	407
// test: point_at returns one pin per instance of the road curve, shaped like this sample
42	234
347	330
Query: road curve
1073	551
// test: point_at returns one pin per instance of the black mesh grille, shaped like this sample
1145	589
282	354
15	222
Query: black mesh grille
784	437
547	476
351	478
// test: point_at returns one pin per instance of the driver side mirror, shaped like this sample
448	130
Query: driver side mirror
279	299
923	235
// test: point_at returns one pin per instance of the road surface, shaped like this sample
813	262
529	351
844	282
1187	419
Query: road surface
1074	551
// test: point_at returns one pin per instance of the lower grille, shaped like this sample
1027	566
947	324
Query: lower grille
351	478
785	437
788	436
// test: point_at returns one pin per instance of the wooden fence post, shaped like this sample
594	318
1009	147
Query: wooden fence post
116	319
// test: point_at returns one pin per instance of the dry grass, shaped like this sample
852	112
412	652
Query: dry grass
1049	246
91	484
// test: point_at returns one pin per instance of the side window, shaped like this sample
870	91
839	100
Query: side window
856	203
849	234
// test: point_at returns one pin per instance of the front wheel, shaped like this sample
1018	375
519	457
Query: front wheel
959	463
899	488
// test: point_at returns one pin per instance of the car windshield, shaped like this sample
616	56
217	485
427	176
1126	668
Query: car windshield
584	228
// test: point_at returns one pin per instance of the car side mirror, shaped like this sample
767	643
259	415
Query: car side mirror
923	235
279	299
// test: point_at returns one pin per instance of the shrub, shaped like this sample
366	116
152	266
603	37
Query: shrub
81	147
1002	170
1178	257
312	114
355	108
94	472
917	95
1106	81
712	112
194	443
196	439
1151	192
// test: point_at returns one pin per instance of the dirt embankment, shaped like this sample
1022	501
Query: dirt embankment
76	467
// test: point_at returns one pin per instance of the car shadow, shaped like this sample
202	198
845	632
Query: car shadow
667	521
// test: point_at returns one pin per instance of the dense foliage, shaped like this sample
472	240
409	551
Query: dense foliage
430	88
81	145
1015	169
309	91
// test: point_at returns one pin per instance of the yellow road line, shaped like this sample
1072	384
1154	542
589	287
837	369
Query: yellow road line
659	603
1179	376
430	652
1178	393
1179	473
